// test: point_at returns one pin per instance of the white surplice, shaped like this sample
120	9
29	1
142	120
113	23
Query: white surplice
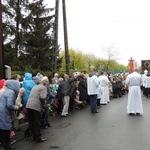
147	82
103	80
134	105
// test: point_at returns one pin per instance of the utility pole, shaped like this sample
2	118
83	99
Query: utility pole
2	67
65	37
55	46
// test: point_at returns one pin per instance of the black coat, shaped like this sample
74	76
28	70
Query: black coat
82	87
68	86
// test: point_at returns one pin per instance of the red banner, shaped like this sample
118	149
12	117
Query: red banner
131	65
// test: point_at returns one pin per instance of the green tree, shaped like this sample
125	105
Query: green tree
86	62
89	61
12	30
76	60
28	44
37	43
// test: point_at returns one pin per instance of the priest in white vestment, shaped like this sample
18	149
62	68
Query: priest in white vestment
104	82
134	105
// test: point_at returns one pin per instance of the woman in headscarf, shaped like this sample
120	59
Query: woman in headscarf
7	105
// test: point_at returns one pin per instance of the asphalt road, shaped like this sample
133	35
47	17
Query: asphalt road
110	129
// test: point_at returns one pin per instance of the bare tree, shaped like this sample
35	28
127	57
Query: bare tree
89	60
111	55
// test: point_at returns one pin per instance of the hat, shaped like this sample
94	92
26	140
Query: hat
2	81
45	80
39	76
35	79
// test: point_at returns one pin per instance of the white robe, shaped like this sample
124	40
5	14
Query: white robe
134	105
99	95
92	85
143	79
147	82
105	90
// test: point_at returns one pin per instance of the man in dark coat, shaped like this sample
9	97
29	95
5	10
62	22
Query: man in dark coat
67	88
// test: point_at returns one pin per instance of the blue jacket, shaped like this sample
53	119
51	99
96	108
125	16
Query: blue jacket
7	104
27	84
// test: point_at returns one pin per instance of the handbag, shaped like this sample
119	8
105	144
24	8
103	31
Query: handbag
16	117
15	122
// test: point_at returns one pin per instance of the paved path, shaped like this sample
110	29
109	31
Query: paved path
110	129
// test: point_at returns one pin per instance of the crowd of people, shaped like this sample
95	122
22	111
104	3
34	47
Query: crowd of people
36	98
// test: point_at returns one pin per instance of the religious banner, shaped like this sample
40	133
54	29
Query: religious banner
145	65
131	62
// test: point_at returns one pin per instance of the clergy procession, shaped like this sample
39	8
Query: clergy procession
35	99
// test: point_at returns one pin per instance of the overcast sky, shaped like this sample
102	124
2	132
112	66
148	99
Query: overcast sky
95	24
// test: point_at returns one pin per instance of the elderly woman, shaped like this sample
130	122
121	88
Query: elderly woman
34	106
7	105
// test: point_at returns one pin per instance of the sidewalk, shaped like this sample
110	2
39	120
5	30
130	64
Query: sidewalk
55	118
19	134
